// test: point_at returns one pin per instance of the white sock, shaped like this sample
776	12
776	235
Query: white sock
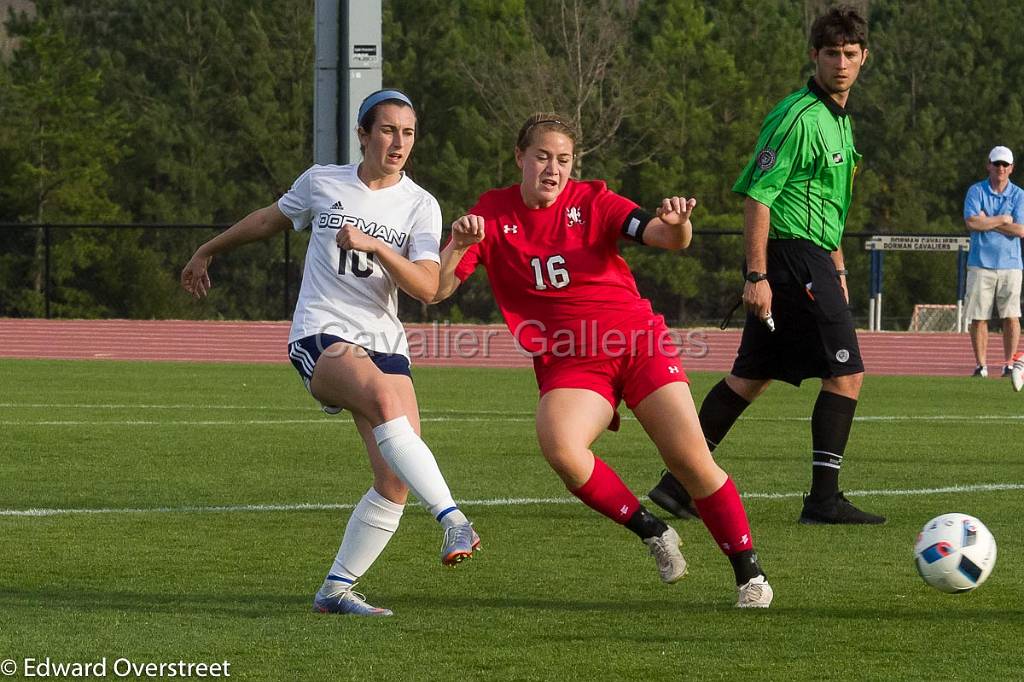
414	463
373	522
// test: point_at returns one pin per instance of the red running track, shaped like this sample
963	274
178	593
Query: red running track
935	354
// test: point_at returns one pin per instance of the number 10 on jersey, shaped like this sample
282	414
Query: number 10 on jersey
557	276
362	263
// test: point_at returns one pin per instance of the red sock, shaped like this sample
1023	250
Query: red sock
605	492
723	513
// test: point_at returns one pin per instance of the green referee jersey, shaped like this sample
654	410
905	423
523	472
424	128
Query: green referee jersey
804	167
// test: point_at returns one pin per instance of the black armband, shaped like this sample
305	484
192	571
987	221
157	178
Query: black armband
635	224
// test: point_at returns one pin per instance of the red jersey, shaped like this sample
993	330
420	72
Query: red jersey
557	268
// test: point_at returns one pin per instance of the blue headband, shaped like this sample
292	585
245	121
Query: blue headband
380	96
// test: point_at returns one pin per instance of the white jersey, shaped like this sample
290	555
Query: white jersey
349	294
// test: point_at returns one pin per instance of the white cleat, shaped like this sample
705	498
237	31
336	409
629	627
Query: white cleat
346	601
458	544
755	594
1017	372
665	550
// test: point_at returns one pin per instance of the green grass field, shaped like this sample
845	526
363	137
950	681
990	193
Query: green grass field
159	574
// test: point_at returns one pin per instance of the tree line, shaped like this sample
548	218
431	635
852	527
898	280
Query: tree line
198	111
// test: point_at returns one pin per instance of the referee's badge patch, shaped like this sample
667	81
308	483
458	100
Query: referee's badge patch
766	159
842	355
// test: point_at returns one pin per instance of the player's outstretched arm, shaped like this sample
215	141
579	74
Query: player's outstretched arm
671	227
466	231
262	223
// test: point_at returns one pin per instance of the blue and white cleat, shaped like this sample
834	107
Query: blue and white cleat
458	544
346	601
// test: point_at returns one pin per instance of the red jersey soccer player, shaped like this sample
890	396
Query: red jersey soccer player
550	249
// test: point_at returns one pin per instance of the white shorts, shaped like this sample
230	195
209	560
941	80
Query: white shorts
988	289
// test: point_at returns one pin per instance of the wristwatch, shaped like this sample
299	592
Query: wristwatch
756	276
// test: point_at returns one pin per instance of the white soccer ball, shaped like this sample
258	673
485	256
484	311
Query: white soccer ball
955	553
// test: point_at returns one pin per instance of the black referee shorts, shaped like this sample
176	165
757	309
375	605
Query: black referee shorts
814	334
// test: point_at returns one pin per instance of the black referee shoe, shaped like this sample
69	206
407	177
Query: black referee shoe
835	510
671	496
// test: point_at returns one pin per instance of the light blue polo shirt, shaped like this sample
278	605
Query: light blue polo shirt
994	250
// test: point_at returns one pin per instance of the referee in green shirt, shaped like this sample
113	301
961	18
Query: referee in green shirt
798	188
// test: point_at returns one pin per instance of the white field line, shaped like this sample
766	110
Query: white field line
186	406
485	417
427	415
241	422
494	502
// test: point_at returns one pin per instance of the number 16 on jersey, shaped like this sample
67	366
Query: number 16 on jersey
557	276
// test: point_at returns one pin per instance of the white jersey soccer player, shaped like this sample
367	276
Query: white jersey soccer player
373	231
347	293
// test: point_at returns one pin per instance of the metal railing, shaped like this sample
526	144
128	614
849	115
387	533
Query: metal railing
48	248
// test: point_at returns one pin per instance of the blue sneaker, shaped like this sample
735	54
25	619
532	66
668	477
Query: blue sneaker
458	544
346	601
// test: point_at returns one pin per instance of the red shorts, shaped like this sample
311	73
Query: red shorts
631	376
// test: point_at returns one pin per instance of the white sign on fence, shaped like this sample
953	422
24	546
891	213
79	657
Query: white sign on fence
911	243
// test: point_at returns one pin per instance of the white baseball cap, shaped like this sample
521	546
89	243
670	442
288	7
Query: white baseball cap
1000	154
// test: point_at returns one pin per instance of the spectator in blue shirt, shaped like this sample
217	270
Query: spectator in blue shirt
994	213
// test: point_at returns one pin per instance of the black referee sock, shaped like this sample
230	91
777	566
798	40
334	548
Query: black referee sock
645	524
721	408
830	429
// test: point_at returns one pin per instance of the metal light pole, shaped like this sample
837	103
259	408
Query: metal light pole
349	66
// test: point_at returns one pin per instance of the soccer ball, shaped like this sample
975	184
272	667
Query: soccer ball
954	553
